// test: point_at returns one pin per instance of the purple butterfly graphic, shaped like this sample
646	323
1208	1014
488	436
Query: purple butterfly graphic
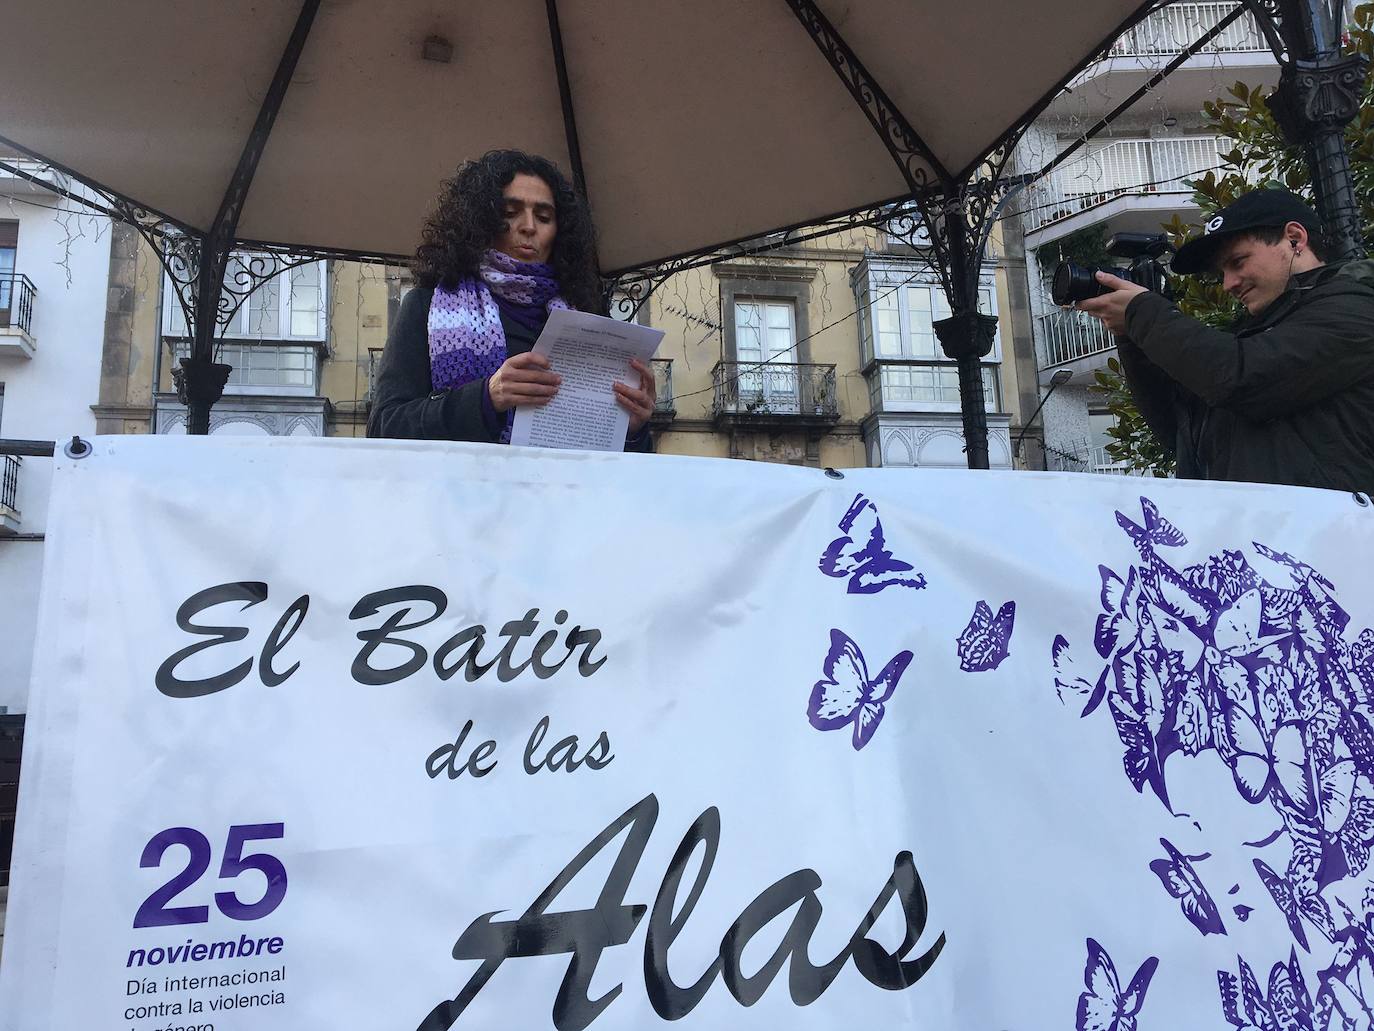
1174	593
1068	677
847	695
862	555
1104	1007
1182	882
1295	901
1288	1007
983	644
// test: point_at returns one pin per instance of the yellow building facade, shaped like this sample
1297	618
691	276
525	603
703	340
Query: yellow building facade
818	354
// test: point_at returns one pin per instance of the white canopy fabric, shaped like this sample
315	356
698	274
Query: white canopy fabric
700	122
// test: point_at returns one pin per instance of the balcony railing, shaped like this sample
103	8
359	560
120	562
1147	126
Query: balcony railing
1082	457
774	391
11	748
1065	336
31	169
1169	30
9	482
1138	167
17	293
664	412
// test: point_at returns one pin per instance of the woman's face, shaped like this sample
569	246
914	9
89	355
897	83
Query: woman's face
531	219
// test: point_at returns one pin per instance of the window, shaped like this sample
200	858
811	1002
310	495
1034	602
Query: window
289	306
928	386
264	368
906	367
904	317
765	347
9	243
1099	422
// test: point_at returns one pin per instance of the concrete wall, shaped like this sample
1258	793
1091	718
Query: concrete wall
47	397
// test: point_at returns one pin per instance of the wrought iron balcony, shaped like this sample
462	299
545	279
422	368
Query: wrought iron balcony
11	748
1167	31
774	394
17	295
664	412
1147	168
1065	336
9	494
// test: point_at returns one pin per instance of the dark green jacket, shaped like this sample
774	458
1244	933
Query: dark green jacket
1288	397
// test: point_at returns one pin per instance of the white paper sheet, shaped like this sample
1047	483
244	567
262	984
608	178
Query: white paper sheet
590	353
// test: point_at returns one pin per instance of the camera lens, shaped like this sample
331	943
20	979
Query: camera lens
1073	283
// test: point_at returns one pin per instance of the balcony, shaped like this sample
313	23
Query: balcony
37	178
17	295
1239	52
1165	32
774	395
1082	457
1071	340
1137	185
664	412
9	495
11	748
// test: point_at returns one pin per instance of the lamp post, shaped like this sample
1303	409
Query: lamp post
1057	380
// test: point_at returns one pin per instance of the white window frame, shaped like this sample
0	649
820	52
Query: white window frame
239	328
777	384
181	347
882	369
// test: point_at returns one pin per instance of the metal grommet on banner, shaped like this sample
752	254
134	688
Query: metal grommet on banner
77	448
834	474
1361	499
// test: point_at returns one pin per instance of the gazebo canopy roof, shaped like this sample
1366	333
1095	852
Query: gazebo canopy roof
698	123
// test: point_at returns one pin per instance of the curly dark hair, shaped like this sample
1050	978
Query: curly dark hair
470	215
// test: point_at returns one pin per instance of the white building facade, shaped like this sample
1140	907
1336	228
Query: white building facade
54	297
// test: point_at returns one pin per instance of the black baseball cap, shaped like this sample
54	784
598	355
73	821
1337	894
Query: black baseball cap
1257	209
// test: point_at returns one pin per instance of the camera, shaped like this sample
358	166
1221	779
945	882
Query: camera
1074	283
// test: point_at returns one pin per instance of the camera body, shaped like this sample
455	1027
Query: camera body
1074	283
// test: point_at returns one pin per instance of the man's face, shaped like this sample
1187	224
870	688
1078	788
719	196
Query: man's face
1254	272
531	219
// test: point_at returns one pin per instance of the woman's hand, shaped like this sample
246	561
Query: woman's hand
522	379
638	402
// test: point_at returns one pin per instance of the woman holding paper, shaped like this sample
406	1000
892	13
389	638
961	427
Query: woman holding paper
509	241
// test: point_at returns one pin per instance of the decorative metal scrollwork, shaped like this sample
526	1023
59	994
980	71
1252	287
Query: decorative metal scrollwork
915	159
1316	97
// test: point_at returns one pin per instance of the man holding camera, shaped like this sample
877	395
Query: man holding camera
1285	396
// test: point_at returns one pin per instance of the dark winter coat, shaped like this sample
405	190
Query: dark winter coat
1287	397
405	403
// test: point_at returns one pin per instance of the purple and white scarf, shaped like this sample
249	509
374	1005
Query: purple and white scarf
466	342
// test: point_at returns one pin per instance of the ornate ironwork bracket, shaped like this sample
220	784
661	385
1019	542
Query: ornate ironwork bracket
911	153
1316	97
957	215
625	292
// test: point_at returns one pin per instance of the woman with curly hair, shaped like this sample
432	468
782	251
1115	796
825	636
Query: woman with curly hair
510	240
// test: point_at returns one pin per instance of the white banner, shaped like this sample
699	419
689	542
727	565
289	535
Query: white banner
417	736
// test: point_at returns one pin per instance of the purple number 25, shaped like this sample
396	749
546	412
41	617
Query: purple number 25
155	911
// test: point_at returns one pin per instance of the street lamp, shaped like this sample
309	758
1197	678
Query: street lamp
1057	380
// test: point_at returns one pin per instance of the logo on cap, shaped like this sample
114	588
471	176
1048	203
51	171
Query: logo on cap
1215	223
